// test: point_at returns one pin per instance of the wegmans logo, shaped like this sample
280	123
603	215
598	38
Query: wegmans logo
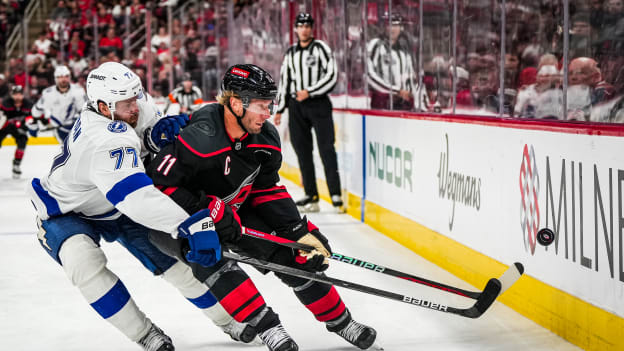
456	186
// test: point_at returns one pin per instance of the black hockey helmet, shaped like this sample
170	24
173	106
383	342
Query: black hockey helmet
249	82
304	18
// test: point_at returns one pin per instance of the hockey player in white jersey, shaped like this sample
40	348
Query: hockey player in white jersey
60	104
97	188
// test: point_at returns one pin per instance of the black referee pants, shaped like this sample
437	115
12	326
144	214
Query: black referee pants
303	116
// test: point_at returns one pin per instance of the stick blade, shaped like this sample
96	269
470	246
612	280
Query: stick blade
511	276
486	299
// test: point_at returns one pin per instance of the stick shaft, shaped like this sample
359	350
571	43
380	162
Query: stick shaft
492	289
363	264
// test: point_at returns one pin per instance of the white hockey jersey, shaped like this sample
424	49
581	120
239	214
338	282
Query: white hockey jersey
61	109
99	174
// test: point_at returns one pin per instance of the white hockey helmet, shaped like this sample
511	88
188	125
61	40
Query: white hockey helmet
112	82
61	70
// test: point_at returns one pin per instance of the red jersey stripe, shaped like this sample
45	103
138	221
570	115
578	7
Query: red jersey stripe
266	198
266	146
201	154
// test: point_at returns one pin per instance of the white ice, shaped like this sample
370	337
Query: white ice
41	310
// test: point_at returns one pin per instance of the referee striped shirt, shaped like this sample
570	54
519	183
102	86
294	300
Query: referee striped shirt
391	70
312	68
179	96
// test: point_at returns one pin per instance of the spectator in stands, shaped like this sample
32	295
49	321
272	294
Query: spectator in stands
111	42
548	60
586	88
76	46
104	18
580	36
60	12
4	86
548	103
42	43
77	63
484	83
161	37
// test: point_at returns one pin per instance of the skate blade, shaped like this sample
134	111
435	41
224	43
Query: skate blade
256	341
375	347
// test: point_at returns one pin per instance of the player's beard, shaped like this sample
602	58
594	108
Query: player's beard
63	87
250	125
132	119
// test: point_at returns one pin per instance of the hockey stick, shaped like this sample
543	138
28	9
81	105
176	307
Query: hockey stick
485	300
507	279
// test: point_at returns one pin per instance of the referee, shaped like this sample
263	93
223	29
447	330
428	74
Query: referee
307	75
188	96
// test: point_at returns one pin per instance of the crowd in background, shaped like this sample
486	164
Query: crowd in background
69	37
459	73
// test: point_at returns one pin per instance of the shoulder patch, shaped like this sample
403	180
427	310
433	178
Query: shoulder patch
207	128
117	127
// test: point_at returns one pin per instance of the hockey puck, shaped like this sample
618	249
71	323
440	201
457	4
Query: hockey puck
545	236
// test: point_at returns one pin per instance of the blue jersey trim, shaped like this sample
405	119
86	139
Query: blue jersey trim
52	206
106	215
126	186
113	301
204	301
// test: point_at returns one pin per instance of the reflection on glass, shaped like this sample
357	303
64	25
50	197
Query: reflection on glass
391	70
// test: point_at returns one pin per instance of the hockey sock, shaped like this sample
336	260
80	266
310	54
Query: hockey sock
236	292
19	155
85	265
321	299
180	276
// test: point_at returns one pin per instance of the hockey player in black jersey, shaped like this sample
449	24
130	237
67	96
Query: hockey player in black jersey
16	120
229	155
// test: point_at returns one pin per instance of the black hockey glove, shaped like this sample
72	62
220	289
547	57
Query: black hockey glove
226	220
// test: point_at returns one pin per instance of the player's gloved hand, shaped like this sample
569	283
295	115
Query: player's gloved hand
165	131
31	124
317	259
199	230
226	220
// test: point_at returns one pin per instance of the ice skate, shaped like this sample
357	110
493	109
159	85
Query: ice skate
242	332
17	172
357	334
156	340
276	339
338	204
308	204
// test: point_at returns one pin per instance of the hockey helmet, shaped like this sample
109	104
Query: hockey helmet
249	82
112	82
304	18
61	71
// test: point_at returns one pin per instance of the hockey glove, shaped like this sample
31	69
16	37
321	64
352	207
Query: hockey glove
317	259
199	230
226	220
165	131
31	124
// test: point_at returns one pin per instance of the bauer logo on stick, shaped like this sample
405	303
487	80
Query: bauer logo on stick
545	236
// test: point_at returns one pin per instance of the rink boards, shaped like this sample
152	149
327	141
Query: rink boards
470	194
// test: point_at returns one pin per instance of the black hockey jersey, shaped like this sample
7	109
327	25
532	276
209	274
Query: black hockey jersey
205	160
16	115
